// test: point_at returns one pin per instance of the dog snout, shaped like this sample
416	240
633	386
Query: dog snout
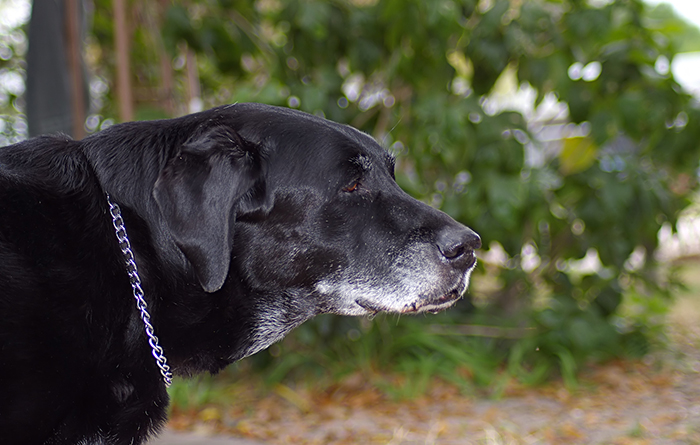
457	243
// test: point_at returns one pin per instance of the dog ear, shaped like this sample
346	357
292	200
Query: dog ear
198	192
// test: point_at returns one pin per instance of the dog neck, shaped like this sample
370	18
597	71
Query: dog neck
127	169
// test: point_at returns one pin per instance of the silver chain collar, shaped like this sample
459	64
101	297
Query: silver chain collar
132	270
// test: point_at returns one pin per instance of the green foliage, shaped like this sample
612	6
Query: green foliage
194	393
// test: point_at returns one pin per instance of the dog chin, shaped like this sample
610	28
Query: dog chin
371	298
432	305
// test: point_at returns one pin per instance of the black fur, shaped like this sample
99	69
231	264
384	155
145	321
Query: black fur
245	220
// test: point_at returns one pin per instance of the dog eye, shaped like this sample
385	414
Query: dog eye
351	188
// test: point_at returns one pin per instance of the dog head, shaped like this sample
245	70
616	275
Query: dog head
286	203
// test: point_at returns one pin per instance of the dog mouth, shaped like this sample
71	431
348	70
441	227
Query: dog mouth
432	305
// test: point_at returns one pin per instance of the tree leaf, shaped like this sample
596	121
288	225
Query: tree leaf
578	154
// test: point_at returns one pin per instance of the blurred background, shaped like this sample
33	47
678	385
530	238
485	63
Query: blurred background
565	132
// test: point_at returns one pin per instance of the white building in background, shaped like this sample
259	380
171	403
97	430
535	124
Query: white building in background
686	70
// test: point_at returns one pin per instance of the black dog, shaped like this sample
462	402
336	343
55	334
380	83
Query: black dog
245	221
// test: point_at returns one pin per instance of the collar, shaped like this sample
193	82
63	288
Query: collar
135	280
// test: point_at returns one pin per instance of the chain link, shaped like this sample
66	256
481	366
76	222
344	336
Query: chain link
135	280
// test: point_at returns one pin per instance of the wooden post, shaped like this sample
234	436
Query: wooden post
167	80
75	68
121	44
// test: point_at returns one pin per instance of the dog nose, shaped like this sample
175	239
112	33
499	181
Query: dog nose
455	241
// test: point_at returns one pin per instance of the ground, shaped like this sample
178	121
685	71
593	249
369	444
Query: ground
652	401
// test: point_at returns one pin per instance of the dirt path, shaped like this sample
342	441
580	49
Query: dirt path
619	403
170	437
